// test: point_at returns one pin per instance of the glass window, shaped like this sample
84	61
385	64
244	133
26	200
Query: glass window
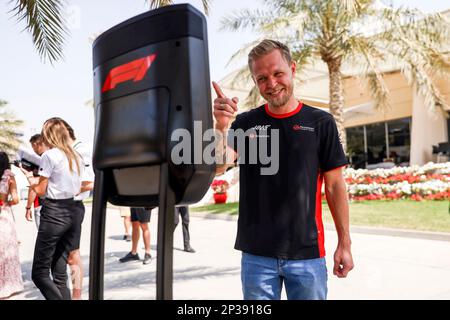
376	142
369	145
356	147
399	140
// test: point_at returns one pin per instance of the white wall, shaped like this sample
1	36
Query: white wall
428	129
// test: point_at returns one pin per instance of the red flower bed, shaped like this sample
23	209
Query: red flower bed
410	178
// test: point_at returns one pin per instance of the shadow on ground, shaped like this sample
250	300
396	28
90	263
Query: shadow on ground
122	276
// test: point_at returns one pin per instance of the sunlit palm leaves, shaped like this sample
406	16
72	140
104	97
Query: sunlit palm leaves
361	38
44	20
9	130
46	23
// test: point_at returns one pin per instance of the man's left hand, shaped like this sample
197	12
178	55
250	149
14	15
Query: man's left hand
343	261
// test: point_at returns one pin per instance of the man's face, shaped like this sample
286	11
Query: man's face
274	78
39	147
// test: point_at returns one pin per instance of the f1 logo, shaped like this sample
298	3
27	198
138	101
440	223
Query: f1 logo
134	70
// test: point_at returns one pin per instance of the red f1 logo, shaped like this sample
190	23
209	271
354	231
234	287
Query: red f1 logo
134	70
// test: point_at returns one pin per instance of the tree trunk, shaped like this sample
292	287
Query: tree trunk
337	98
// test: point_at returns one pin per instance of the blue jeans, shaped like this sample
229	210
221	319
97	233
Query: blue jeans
263	277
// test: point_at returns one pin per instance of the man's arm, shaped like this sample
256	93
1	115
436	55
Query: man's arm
225	156
30	202
224	110
86	186
38	184
336	193
13	192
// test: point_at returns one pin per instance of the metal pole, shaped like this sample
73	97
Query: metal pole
166	215
97	254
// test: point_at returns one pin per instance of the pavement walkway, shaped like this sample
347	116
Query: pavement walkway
389	264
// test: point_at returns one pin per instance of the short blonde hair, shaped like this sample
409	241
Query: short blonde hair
266	46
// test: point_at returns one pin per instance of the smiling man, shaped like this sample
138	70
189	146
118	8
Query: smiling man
280	230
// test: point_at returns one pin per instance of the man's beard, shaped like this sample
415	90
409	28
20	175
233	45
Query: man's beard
282	100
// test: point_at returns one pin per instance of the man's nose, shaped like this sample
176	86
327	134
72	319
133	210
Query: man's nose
271	82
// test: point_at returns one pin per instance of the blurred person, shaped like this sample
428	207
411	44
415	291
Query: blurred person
59	181
140	218
10	270
184	213
87	185
39	147
126	215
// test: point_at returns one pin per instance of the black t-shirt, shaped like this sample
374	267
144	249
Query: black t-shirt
280	215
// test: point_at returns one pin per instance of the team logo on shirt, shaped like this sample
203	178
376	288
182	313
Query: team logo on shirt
256	131
262	127
298	127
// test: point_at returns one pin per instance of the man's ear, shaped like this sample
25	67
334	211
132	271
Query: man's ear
293	67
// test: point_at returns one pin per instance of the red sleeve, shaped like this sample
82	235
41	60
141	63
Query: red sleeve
36	202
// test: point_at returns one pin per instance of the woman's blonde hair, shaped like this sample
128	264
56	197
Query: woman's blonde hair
56	135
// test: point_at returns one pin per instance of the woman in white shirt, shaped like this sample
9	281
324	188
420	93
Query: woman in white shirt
59	181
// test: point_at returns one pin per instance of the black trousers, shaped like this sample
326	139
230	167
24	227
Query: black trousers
53	243
184	213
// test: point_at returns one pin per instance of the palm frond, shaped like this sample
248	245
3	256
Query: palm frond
10	137
296	25
415	42
368	57
368	37
426	35
424	86
206	6
378	90
302	54
253	19
155	4
355	7
242	52
45	22
284	6
243	75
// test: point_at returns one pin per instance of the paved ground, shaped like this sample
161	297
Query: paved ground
387	266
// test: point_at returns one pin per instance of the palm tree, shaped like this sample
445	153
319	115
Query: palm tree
45	21
364	36
9	130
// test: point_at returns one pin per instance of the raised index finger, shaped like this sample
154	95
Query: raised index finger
218	90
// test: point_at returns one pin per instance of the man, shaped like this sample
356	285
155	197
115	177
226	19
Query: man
39	147
140	218
184	213
280	231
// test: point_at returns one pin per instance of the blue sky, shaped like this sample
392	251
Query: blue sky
37	91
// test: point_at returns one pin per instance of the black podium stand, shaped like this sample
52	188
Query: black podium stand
151	77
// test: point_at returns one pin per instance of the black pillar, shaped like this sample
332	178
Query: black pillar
166	215
97	254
